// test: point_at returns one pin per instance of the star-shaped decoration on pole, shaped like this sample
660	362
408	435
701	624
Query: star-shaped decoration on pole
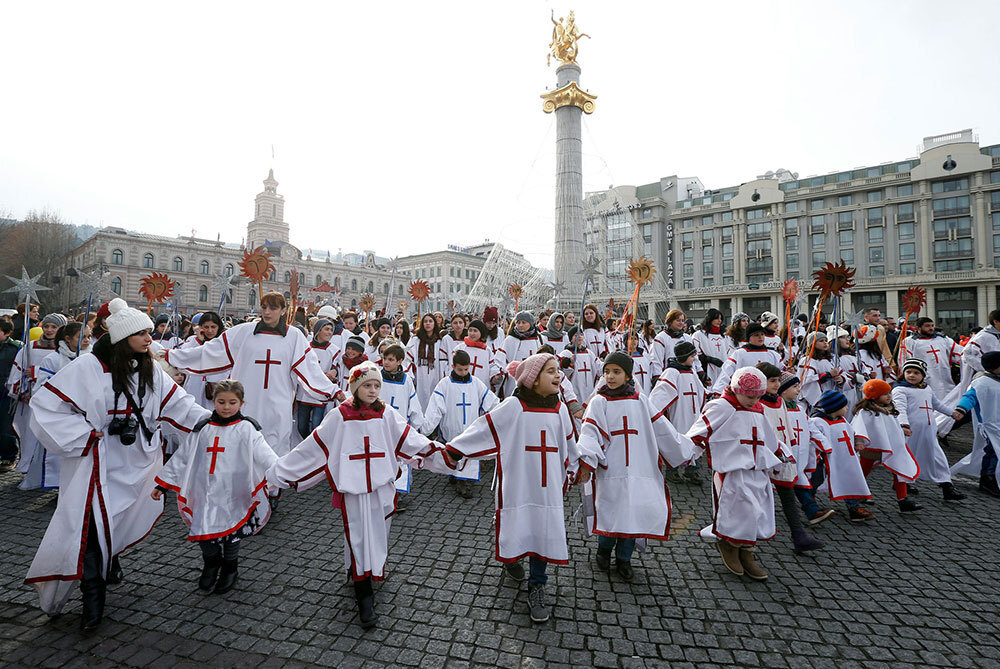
854	320
26	287
590	266
95	282
224	283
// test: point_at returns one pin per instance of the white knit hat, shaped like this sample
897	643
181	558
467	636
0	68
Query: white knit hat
866	333
360	373
125	321
327	311
767	318
834	332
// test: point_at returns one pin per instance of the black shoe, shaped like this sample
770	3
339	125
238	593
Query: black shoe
950	494
94	592
603	559
692	476
464	489
537	609
227	576
988	485
402	503
209	573
906	505
625	570
366	603
273	502
912	489
515	570
6	466
115	574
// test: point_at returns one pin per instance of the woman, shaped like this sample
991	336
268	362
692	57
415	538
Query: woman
736	333
402	331
553	334
521	343
594	333
456	335
101	415
202	386
712	345
670	337
430	358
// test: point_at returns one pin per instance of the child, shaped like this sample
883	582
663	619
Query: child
679	395
531	436
595	334
642	365
798	433
915	401
840	445
772	340
870	355
354	354
309	411
818	373
784	482
747	355
848	363
357	448
481	359
876	416
983	397
741	448
458	400
218	475
521	343
567	394
553	334
202	386
397	389
620	443
582	366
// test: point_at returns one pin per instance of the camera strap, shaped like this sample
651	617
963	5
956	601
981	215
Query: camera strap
137	410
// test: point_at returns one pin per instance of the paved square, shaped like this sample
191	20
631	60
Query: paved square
916	590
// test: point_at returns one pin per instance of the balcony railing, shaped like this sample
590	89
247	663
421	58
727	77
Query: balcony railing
955	211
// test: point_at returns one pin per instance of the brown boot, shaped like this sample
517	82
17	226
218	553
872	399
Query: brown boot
730	557
750	566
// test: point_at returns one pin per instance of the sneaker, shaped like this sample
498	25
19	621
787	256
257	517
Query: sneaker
730	557
820	516
692	476
750	565
950	494
603	560
988	485
906	505
674	476
6	466
537	609
625	570
515	570
802	542
860	514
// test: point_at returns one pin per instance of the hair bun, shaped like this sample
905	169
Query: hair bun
512	367
116	305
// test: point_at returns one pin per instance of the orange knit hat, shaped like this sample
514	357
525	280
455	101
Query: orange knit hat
875	388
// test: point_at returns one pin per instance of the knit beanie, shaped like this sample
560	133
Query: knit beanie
572	332
327	311
356	343
914	363
382	321
787	380
811	337
490	314
767	318
479	325
875	388
366	371
755	328
991	360
526	371
621	359
683	350
525	316
831	401
866	333
104	311
738	316
125	321
57	319
162	318
834	332
320	324
748	381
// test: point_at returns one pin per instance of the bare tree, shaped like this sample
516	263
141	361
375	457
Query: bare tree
36	243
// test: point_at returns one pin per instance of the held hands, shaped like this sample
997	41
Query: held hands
908	432
583	476
957	415
156	494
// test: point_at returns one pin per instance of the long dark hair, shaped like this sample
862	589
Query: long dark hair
212	317
598	320
68	330
712	314
425	352
405	337
122	361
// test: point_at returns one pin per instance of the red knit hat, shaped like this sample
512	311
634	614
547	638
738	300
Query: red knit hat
875	388
491	314
104	311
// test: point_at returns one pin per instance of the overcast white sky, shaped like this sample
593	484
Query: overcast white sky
405	126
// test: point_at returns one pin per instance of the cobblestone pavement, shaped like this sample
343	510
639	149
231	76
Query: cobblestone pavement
918	590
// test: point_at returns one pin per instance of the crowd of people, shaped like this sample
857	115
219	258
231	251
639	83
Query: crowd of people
120	412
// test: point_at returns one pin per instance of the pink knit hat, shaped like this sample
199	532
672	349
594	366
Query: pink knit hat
527	371
748	381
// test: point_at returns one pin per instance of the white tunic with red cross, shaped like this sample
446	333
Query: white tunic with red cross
515	349
744	356
940	353
359	451
886	436
269	365
218	475
197	385
537	458
799	434
837	438
623	440
583	373
916	407
642	372
328	357
482	363
713	345
678	395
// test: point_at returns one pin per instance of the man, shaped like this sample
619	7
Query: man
985	341
873	316
891	332
8	442
937	351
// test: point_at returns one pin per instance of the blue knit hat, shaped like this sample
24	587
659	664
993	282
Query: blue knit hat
831	401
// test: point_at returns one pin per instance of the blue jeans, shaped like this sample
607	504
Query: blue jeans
989	460
807	501
623	547
536	570
308	418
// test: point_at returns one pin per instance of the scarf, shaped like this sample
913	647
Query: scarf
396	377
350	363
425	351
460	379
550	332
534	400
674	334
67	352
530	334
673	364
714	329
626	389
474	344
219	420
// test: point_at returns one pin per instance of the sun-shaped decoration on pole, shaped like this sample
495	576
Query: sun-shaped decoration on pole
516	291
829	280
640	273
789	293
293	296
914	299
367	303
256	266
157	288
419	290
402	306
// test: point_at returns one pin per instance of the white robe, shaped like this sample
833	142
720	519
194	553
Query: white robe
741	447
939	353
596	339
743	357
817	380
99	475
854	378
886	436
402	396
916	407
42	466
583	373
557	344
836	438
328	358
680	396
713	346
269	366
642	372
537	458
25	367
454	406
427	373
799	433
482	363
195	384
663	349
983	400
359	452
875	366
218	474
622	440
515	349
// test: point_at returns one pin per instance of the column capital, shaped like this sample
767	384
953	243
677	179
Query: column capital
570	95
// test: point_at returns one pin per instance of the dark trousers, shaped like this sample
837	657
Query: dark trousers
789	506
989	460
308	418
536	570
623	547
228	549
8	441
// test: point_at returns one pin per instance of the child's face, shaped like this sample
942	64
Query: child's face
390	363
772	385
227	404
384	330
179	378
791	393
589	316
474	334
161	328
844	343
522	326
547	382
49	330
558	323
746	401
614	376
772	327
399	329
884	399
822	344
688	361
678	323
756	339
271	315
461	370
368	391
351	353
912	376
543	322
570	319
842	411
324	334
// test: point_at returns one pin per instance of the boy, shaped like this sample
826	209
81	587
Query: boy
457	401
309	411
847	361
581	366
354	354
983	397
349	319
797	432
679	395
747	355
841	446
741	448
398	390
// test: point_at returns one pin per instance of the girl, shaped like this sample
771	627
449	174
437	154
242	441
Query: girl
581	365
402	331
383	329
840	444
483	364
553	335
104	414
736	332
456	335
847	361
915	403
358	449
713	347
309	411
818	374
521	343
218	475
530	434
647	335
430	356
594	332
670	337
870	355
201	386
875	416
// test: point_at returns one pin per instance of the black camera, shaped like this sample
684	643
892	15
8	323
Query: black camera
125	428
